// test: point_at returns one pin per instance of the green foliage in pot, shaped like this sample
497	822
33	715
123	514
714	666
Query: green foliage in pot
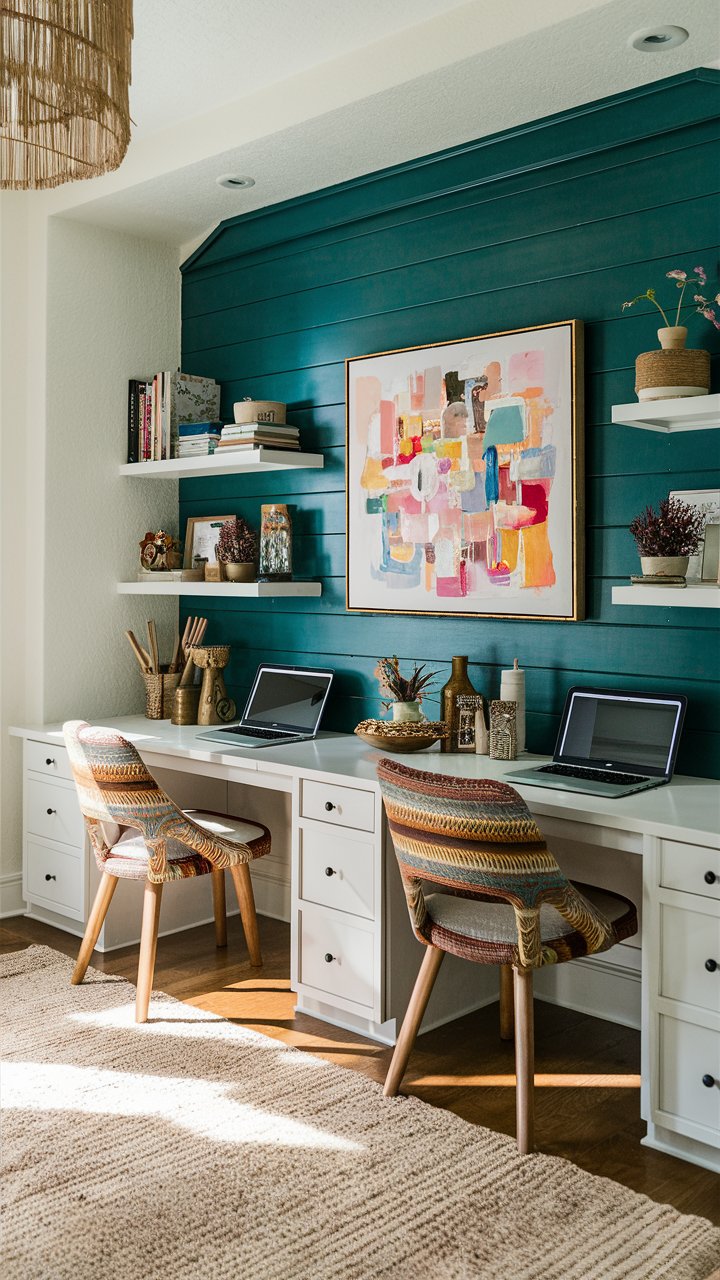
402	688
675	529
237	543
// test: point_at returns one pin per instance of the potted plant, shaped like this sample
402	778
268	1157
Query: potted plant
405	693
674	371
667	538
237	550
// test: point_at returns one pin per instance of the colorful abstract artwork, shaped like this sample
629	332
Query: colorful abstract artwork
463	468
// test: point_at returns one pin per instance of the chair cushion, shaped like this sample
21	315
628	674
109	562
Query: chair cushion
487	930
128	857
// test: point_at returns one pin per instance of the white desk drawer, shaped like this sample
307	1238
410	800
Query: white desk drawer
691	868
343	806
52	811
337	871
336	957
690	939
52	761
687	1054
55	877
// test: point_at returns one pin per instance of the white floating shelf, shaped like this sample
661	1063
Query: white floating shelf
250	590
224	463
689	413
699	595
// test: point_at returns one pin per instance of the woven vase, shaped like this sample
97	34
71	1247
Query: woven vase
673	371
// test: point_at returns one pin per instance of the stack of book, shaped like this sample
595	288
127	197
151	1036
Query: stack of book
657	580
157	406
250	435
197	439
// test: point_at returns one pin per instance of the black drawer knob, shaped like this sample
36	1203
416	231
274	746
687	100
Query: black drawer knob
49	761
51	811
710	877
329	871
328	958
708	1081
711	965
329	805
49	877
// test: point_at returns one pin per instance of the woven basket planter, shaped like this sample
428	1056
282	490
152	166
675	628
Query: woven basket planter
666	375
159	693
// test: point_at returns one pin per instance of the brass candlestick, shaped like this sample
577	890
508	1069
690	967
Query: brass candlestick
215	706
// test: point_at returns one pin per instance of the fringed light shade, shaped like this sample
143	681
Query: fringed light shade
64	78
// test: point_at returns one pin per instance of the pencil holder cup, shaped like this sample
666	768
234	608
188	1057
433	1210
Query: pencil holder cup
186	703
159	693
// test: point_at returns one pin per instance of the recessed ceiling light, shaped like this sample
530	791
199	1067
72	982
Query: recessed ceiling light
658	39
234	181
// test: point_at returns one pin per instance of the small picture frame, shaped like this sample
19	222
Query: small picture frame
201	538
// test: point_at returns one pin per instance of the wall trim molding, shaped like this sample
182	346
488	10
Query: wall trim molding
687	102
12	902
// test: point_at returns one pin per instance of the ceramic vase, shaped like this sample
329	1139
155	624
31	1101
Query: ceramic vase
673	338
405	712
240	571
665	566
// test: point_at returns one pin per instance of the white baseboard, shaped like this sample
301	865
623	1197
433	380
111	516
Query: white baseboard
272	897
12	902
596	985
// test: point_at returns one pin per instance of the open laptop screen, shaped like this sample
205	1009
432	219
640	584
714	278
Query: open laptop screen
621	731
287	698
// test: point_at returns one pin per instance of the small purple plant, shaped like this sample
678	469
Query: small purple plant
702	305
676	529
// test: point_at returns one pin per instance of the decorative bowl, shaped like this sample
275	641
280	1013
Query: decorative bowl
401	736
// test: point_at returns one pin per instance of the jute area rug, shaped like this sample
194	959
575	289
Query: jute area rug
191	1149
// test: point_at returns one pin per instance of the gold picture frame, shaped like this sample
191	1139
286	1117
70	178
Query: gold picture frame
202	534
439	525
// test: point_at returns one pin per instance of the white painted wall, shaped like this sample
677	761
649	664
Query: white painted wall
113	312
82	310
14	568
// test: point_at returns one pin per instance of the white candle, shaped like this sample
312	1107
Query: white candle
512	689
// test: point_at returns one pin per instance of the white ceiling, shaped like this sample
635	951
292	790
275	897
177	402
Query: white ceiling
302	94
190	57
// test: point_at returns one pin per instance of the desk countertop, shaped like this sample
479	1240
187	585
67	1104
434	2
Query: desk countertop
687	809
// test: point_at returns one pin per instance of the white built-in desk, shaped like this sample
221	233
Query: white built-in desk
353	956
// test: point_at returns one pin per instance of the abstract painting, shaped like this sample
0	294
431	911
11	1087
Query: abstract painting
464	467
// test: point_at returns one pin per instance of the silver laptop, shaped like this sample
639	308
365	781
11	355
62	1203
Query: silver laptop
285	705
611	744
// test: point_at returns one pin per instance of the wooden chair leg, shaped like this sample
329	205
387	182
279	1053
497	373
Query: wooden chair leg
148	948
507	1012
246	902
218	888
422	990
524	1061
103	898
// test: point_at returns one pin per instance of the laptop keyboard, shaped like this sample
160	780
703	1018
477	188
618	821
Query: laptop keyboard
592	775
257	733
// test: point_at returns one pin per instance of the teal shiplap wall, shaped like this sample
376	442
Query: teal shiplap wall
566	217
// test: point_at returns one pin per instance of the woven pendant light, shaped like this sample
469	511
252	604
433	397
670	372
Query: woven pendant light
64	77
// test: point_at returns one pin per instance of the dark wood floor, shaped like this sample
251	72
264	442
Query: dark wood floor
587	1071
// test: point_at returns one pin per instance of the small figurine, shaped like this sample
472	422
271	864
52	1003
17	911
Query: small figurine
503	742
156	551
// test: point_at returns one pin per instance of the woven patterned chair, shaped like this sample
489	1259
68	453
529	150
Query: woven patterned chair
137	833
503	900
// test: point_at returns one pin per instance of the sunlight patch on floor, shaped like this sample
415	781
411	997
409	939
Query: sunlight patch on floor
195	1105
541	1081
176	1021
